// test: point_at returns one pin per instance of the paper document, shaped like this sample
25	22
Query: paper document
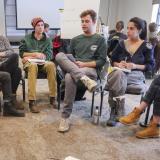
36	60
122	69
71	158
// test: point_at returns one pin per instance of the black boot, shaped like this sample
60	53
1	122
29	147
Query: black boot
112	120
120	109
10	110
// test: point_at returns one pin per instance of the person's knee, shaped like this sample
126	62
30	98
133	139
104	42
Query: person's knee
50	65
59	56
32	65
116	75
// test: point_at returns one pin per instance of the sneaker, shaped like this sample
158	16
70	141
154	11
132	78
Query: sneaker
89	83
64	125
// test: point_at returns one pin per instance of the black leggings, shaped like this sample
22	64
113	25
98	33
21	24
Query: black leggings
11	66
153	95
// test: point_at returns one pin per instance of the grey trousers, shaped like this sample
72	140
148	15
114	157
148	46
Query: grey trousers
119	82
72	76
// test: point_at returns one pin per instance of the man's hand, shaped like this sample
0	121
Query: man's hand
25	59
80	64
2	54
37	55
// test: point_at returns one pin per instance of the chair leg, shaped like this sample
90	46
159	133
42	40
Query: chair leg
23	89
101	102
145	123
0	105
59	96
93	94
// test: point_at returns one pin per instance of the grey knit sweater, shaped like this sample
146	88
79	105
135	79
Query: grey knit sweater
5	47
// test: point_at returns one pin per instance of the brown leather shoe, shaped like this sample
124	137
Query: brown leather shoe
33	107
18	105
53	102
132	117
152	131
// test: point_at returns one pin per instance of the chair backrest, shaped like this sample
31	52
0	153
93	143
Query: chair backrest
113	41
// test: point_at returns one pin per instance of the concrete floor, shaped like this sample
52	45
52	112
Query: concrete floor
35	137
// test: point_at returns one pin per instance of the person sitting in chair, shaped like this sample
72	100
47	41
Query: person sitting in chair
46	29
89	56
154	39
9	108
116	37
151	96
130	58
37	46
9	61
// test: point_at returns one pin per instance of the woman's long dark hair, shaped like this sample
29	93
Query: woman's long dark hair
140	24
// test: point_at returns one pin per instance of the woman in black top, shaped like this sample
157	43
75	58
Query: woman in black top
131	58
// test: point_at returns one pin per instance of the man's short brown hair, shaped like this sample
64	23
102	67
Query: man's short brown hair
46	25
90	12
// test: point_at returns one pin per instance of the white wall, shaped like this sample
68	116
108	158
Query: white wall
2	18
134	8
47	9
124	10
108	11
70	21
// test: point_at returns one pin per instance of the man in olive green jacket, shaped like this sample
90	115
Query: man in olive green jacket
36	53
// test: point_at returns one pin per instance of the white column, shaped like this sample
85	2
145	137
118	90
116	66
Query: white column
2	18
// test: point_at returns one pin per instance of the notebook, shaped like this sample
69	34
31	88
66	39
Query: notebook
38	61
122	69
71	158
